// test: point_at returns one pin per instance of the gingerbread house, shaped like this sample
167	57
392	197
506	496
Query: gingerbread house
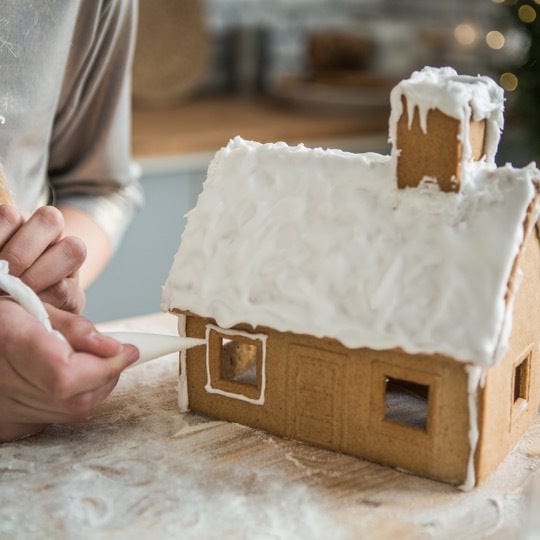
383	306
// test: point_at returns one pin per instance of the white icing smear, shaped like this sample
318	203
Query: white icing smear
324	243
460	96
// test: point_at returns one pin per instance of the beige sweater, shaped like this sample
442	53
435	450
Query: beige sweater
65	105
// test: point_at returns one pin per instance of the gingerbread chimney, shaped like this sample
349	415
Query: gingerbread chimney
440	122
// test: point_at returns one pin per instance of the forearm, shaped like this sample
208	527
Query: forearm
98	245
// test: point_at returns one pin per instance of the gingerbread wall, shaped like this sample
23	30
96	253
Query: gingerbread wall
504	419
320	392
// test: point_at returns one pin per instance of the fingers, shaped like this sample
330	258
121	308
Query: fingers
46	365
69	394
44	379
77	408
89	372
82	334
46	262
66	294
10	220
62	259
32	238
92	361
80	407
10	431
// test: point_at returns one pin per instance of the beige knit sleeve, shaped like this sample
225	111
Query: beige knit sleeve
90	165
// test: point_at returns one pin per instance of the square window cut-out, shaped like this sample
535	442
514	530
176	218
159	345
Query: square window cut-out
521	379
407	403
239	361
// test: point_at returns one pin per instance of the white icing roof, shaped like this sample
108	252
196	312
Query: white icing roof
324	243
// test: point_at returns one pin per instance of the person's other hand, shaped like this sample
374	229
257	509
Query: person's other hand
45	380
38	254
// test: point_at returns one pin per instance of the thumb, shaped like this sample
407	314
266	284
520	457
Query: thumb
82	334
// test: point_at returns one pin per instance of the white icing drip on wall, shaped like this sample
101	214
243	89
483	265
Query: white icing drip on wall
459	96
322	242
476	376
211	389
183	393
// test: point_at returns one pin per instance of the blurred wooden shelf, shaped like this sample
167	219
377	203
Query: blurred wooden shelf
206	124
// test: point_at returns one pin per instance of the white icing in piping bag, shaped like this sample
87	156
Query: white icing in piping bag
153	346
25	297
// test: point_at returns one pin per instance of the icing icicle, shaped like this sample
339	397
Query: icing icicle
475	376
461	97
183	392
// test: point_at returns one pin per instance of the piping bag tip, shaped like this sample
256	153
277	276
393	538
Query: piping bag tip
152	346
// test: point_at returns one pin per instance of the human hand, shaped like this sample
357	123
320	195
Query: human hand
45	380
38	254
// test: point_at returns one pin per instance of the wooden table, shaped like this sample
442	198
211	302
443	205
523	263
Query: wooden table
141	469
206	124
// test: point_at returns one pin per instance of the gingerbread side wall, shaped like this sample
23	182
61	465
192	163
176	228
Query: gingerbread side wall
505	414
320	392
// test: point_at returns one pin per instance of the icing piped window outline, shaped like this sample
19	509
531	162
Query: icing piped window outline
229	386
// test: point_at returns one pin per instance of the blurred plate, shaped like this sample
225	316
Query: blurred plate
337	92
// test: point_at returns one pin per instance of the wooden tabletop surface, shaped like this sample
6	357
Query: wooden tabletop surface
141	469
206	124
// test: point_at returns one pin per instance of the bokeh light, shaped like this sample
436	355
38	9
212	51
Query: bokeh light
526	13
465	34
509	81
495	39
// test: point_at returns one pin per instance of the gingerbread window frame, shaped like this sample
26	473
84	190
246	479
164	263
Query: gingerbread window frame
217	383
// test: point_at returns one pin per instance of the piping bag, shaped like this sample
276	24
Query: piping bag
150	346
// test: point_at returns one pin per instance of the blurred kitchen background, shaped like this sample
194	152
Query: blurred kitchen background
312	71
